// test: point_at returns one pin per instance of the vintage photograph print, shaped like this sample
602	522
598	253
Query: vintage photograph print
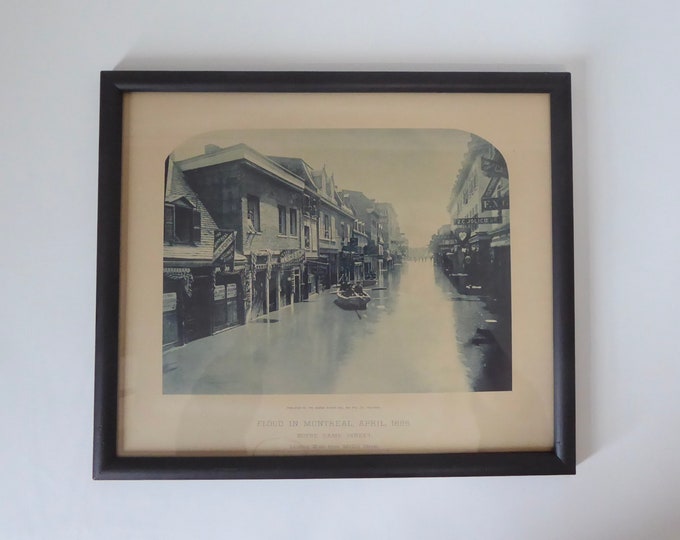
336	261
312	275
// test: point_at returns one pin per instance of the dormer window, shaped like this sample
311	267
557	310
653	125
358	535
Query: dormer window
182	222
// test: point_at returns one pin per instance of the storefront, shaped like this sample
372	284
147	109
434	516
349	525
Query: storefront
228	300
477	264
291	265
187	303
499	258
228	289
259	303
312	277
176	289
179	307
260	276
351	263
198	312
333	268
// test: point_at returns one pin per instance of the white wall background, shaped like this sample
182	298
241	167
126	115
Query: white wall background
626	74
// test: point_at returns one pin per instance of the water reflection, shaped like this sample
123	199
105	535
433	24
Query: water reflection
414	336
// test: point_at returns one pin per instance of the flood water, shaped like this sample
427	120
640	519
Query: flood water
417	334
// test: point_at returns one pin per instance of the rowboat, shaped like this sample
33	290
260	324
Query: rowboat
352	299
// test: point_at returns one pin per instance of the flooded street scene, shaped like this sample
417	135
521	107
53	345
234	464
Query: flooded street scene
417	334
278	279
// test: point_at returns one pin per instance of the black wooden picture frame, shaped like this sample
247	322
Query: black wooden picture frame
108	464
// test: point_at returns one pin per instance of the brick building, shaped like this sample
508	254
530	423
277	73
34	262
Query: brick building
262	202
395	248
315	269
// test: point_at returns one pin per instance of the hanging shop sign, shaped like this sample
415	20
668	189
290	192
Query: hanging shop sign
223	250
491	188
495	203
291	257
479	220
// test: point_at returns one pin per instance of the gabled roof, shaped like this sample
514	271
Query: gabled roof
321	179
298	167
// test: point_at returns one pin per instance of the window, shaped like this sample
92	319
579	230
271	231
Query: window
254	212
309	206
308	240
293	222
182	223
326	226
282	220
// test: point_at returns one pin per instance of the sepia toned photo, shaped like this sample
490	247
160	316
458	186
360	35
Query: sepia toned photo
336	261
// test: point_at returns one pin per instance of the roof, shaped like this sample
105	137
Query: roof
214	155
359	201
312	178
183	199
297	166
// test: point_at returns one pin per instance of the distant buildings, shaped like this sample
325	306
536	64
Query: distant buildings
394	241
247	235
336	221
370	226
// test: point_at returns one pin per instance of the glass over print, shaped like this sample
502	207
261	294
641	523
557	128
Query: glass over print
307	274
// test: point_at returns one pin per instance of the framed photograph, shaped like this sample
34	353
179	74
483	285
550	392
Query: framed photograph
323	274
